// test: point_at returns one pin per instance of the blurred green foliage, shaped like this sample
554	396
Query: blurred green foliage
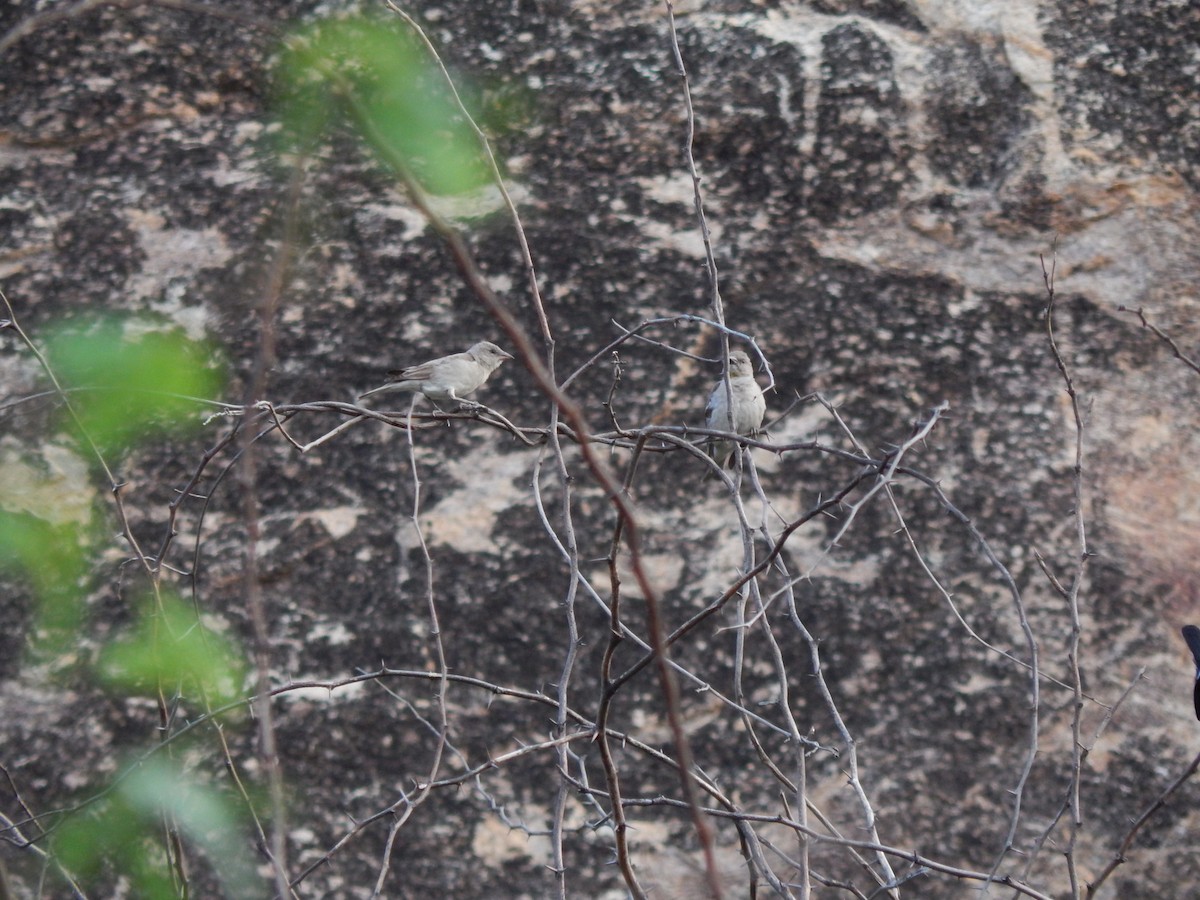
128	381
122	832
376	75
139	379
53	558
169	650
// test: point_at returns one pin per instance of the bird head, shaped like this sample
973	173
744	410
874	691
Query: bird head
488	354
739	365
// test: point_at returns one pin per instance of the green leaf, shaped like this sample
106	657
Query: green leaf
104	835
169	649
52	558
122	834
138	381
375	75
199	810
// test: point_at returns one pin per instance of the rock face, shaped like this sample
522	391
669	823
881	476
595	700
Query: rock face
878	178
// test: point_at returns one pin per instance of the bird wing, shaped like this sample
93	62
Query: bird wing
426	370
420	372
460	372
717	409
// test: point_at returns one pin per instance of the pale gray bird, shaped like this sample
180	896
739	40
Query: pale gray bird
744	415
447	378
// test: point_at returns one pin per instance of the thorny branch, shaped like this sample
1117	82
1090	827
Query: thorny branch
1070	592
1164	337
1160	801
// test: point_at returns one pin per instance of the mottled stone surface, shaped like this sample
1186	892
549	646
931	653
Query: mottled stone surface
879	178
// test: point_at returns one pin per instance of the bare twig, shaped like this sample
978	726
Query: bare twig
401	811
1071	594
272	294
1163	336
1159	802
607	756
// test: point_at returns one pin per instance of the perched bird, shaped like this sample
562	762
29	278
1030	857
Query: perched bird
739	409
1191	634
447	378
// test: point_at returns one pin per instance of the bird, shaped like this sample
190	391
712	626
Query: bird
1191	634
447	378
748	406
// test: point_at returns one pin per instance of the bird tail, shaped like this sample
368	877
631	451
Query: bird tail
390	386
721	453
